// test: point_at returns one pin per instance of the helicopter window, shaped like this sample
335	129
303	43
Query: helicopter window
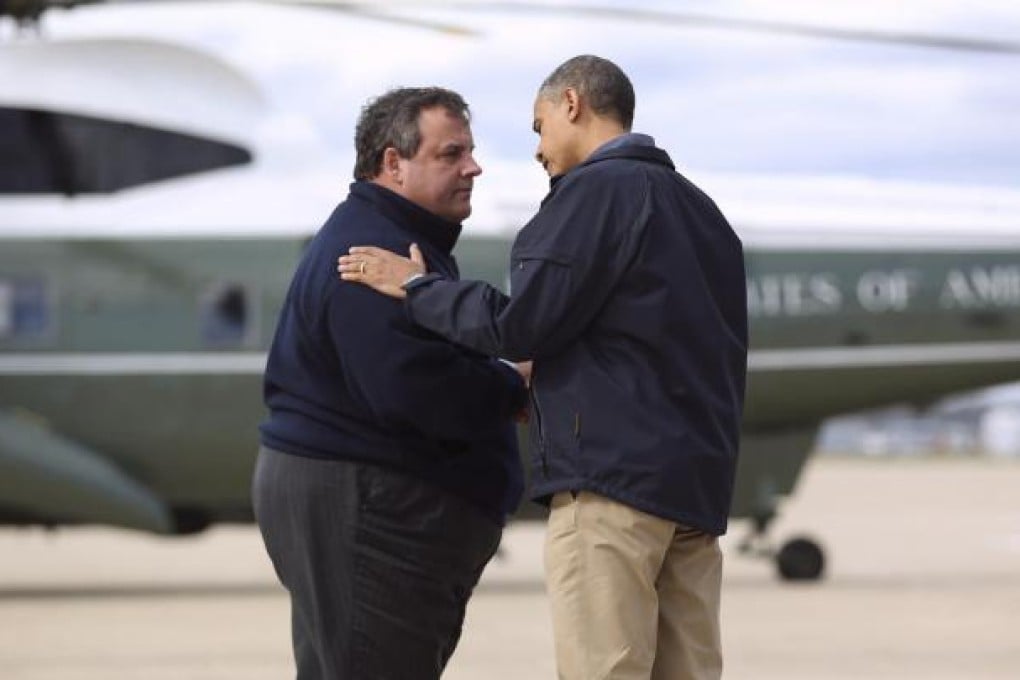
52	152
24	308
226	315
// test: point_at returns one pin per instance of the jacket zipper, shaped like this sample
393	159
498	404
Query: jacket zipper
537	413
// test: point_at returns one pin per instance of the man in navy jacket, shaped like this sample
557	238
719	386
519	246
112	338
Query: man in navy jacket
389	459
628	293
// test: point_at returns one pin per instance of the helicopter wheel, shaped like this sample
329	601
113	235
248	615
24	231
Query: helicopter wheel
800	559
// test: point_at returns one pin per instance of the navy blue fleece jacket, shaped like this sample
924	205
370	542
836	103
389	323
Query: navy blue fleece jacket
349	377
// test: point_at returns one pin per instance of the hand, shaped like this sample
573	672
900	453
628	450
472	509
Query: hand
524	368
380	269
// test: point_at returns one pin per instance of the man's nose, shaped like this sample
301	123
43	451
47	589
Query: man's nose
539	157
472	169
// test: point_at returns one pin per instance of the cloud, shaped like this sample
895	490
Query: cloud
717	99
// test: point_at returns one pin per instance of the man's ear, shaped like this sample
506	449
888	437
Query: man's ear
572	100
391	165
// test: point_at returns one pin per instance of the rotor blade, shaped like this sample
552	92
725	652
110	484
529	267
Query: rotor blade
372	11
660	17
384	10
28	10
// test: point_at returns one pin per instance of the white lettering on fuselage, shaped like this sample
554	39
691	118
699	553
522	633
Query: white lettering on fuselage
981	287
880	291
793	295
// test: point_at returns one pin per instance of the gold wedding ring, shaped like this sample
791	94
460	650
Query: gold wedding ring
362	270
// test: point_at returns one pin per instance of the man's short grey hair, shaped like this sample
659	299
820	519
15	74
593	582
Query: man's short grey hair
602	83
391	119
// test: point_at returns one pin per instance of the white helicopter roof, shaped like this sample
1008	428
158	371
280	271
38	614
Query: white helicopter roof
819	212
769	212
149	82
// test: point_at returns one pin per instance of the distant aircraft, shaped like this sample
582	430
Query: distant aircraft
134	321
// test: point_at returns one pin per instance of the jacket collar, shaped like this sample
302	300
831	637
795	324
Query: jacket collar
626	139
633	146
408	215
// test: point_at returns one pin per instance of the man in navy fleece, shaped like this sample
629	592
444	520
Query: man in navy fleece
388	461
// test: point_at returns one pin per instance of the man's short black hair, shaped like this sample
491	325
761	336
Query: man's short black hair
601	82
392	120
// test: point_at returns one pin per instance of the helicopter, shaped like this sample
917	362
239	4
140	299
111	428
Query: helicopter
157	196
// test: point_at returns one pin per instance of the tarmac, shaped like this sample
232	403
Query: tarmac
922	581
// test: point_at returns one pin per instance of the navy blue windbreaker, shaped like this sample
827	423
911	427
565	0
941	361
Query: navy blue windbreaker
629	293
350	377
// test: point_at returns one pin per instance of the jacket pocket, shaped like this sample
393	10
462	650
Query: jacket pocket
560	434
536	415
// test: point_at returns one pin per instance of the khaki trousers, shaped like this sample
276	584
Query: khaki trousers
632	595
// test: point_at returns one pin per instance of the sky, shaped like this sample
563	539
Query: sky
718	101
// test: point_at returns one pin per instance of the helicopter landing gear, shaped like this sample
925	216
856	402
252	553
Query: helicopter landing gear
798	559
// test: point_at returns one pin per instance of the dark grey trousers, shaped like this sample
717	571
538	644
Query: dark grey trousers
379	565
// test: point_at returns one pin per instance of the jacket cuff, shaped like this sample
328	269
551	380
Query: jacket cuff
420	280
516	382
417	283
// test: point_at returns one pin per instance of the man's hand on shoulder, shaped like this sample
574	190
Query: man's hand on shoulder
380	269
